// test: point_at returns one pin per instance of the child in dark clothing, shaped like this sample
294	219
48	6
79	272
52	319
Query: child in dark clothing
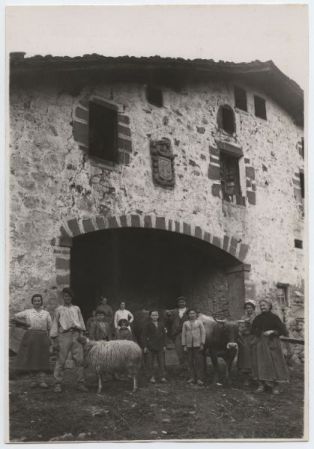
154	344
124	332
99	328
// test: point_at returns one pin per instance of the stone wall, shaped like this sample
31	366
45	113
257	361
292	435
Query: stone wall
54	180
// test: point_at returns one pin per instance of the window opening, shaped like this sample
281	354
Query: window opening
282	294
226	120
103	132
302	183
229	176
240	99
283	299
260	107
298	244
154	96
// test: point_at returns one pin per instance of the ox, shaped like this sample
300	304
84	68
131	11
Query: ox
221	342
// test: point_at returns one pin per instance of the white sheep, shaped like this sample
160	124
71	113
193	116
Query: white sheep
113	357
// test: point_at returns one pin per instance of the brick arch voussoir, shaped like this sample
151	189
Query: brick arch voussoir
229	244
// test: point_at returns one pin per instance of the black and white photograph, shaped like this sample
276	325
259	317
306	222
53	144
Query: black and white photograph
156	236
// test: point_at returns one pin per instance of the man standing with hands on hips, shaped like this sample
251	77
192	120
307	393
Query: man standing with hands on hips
67	326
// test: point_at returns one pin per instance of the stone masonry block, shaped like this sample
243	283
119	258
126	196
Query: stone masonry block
177	223
81	113
233	246
213	172
124	157
65	241
80	132
186	229
217	241
169	225
124	144
63	231
216	189
148	221
123	221
63	279
198	232
214	151
250	172
112	221
101	223
123	119
124	130
88	225
207	237
160	223
62	264
243	251
225	244
213	159
135	221
74	227
251	196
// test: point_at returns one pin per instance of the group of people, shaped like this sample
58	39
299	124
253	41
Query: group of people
260	354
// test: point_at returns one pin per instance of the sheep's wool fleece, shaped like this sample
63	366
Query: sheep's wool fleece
115	355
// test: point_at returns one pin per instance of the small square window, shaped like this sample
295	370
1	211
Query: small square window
103	132
154	96
229	177
260	107
298	244
240	99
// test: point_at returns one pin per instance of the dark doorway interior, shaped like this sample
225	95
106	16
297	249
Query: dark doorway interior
147	268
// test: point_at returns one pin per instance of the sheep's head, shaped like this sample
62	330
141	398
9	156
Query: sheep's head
83	340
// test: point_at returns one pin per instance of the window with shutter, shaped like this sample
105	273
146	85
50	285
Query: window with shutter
103	132
240	99
260	107
226	119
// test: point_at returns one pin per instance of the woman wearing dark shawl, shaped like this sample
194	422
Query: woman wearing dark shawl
269	366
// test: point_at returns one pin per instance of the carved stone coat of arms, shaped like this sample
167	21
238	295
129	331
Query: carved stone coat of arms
162	162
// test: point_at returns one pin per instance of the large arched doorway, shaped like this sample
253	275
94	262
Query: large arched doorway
150	268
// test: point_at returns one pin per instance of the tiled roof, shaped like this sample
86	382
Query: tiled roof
264	76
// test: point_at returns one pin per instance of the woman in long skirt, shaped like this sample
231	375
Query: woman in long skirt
245	341
33	355
269	365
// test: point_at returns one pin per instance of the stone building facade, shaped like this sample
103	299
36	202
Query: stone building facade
197	191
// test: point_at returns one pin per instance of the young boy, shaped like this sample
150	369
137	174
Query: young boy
154	344
99	329
193	340
123	331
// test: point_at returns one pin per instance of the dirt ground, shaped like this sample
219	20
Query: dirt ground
174	410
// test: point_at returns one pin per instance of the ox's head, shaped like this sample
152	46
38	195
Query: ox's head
229	331
232	329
